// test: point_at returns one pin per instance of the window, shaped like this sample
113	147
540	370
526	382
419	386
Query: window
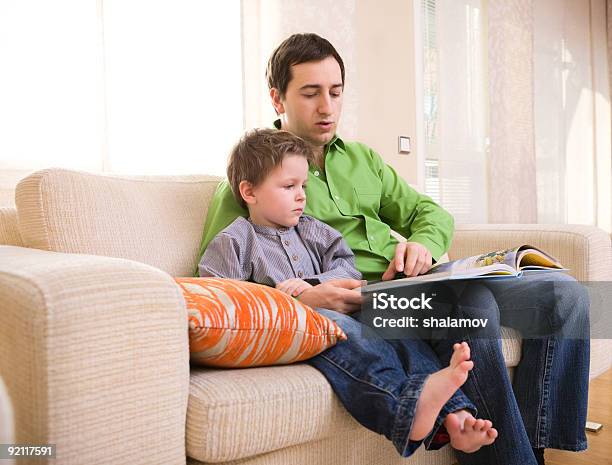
173	85
455	106
126	86
48	84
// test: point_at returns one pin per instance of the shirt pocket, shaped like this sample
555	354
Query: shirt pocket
368	201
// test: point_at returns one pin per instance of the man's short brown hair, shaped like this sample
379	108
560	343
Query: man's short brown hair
258	152
299	48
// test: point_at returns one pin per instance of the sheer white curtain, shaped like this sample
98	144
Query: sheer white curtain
129	86
455	106
572	112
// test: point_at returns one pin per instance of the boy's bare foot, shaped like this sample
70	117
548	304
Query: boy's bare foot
468	434
438	388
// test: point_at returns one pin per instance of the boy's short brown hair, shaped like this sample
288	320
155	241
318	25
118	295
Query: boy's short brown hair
258	152
296	49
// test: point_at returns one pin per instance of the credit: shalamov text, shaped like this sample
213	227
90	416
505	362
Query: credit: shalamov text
384	301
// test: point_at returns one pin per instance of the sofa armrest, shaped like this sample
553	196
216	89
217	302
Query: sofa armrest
585	250
95	356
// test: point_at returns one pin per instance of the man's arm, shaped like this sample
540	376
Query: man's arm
222	211
427	226
415	216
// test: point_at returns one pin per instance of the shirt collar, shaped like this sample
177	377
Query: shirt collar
269	230
336	140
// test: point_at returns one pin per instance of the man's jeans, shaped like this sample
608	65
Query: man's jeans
379	381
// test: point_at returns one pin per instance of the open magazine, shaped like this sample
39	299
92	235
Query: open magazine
499	264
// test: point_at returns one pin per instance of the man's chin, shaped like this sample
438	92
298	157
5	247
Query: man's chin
321	136
323	139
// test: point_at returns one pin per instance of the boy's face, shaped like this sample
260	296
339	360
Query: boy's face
279	201
312	103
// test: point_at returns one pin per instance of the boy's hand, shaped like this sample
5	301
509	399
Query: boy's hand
340	295
410	257
293	286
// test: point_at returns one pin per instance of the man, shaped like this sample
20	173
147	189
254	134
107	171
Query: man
354	191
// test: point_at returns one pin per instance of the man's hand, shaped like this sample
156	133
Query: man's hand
410	257
293	286
340	295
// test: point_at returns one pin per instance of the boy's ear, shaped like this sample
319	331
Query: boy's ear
246	192
277	101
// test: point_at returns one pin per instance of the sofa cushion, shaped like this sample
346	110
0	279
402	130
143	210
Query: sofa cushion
156	220
241	324
239	413
511	346
355	446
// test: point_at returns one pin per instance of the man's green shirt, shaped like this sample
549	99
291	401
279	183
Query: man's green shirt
363	198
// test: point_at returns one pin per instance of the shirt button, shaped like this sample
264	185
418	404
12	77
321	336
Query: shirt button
295	258
371	238
337	197
286	242
316	173
300	274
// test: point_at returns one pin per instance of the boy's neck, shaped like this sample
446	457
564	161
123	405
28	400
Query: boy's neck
258	222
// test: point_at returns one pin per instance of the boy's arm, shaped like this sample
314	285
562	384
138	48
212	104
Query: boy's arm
222	259
222	211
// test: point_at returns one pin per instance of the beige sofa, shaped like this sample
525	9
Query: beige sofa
93	340
6	420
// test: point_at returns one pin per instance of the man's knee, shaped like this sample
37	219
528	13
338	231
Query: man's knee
572	307
477	301
472	307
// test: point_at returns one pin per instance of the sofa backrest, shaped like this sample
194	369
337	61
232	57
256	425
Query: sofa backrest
156	220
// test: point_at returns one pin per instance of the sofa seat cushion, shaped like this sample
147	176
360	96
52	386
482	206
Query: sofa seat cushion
511	346
233	414
239	413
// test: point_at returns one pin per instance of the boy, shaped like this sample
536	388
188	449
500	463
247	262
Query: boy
268	170
278	246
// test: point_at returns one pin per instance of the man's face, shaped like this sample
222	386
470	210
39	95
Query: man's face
312	104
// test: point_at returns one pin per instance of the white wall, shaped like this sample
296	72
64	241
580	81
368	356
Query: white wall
386	80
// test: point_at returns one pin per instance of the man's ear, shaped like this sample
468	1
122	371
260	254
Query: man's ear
247	192
277	101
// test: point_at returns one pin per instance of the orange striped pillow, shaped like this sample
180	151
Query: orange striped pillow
242	324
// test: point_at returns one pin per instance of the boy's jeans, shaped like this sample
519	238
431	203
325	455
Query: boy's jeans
379	381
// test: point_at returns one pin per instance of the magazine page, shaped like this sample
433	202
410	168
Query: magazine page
498	264
532	259
476	264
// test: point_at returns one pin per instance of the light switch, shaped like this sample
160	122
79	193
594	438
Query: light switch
403	144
